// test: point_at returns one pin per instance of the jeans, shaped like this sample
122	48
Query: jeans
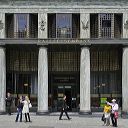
19	112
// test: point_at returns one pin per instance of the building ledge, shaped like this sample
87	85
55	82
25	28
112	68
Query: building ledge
63	41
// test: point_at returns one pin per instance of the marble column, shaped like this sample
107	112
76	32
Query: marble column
42	81
2	80
125	80
85	81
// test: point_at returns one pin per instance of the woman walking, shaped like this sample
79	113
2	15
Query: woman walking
26	103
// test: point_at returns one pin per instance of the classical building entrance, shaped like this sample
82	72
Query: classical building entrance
65	84
64	65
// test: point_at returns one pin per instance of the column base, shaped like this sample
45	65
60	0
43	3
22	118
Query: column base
124	114
2	113
85	112
42	112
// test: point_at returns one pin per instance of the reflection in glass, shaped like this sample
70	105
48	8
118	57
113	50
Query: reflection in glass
64	25
21	25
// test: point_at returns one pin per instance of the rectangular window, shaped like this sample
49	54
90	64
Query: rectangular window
105	73
21	25
63	25
106	25
64	58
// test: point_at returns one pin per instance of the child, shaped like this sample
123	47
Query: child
107	111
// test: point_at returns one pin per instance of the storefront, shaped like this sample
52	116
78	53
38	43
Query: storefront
64	74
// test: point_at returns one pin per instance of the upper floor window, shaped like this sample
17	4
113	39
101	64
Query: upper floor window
106	25
21	25
63	25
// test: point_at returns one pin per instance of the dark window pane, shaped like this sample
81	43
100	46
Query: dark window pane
9	20
94	25
118	25
106	23
52	25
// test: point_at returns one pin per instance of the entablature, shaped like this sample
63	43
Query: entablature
64	41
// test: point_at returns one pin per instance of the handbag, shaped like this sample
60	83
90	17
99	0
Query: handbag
30	105
116	115
102	118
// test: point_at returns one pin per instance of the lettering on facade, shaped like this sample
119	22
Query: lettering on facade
85	26
126	25
42	25
64	79
1	25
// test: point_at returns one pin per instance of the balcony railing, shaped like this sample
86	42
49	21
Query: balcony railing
20	35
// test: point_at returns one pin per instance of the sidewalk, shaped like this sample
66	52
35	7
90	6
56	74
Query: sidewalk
51	121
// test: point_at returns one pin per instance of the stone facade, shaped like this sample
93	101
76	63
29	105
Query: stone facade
75	6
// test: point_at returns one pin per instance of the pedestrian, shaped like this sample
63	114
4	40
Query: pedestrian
64	108
114	112
19	108
107	112
8	103
25	110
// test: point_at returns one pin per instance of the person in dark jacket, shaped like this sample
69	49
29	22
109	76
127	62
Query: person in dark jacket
8	103
19	109
64	109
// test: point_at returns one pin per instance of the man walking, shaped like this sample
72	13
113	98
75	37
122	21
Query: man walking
8	103
64	109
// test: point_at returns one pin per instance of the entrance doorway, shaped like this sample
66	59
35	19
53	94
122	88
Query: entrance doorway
64	85
64	90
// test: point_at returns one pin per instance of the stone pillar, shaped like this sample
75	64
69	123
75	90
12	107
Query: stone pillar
2	80
85	81
125	80
125	25
42	26
2	25
42	81
84	26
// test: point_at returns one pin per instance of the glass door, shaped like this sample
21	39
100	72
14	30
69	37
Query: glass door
58	94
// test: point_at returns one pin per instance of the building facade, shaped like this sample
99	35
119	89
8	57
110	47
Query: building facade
76	48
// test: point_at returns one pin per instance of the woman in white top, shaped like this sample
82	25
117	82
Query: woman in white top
25	110
114	109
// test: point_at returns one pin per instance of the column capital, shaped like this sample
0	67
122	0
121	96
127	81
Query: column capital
85	46
2	46
125	46
43	47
